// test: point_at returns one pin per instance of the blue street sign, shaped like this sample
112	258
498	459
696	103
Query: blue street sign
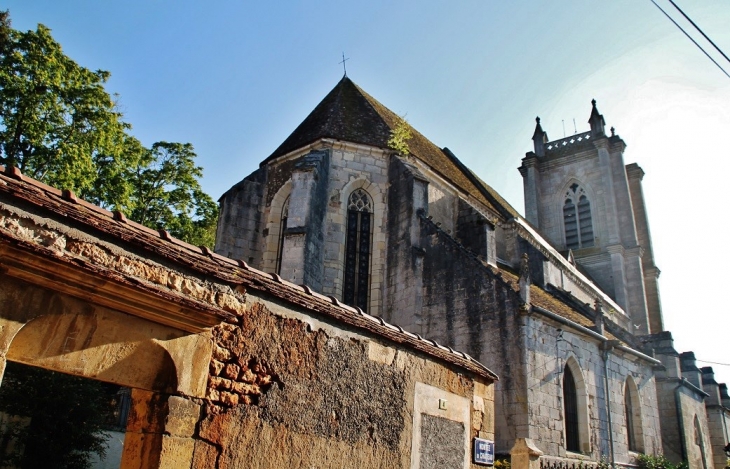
483	451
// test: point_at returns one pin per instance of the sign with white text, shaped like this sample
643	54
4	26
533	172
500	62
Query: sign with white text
483	451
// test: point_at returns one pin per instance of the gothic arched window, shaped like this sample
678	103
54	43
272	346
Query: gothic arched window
357	249
570	407
577	218
282	229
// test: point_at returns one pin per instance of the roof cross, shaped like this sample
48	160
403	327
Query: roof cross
344	66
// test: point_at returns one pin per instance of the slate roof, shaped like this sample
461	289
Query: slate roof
350	114
68	209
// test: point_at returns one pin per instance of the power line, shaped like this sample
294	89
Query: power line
698	29
714	363
690	38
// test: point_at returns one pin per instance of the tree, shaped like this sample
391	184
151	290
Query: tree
166	194
58	124
64	417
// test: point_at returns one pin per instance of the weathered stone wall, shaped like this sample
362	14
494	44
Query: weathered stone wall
282	386
241	216
406	196
468	307
288	390
718	421
550	348
678	430
356	167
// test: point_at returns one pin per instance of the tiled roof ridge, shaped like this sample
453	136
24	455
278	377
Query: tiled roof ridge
589	313
204	261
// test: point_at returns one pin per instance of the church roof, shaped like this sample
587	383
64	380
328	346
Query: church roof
348	113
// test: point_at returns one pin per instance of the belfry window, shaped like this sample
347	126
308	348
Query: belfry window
357	249
570	407
577	218
282	229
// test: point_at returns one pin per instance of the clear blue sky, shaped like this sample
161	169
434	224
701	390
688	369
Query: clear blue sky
234	78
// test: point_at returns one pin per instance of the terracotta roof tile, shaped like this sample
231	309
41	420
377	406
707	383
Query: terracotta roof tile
19	189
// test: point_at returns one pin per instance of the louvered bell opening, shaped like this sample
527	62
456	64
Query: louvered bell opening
586	222
572	241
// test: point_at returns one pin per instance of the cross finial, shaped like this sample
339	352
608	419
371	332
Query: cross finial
344	66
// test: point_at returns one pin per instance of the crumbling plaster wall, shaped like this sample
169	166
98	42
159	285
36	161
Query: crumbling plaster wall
290	390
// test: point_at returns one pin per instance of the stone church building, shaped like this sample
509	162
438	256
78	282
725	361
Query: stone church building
563	303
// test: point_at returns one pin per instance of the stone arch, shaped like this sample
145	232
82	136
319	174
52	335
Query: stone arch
573	370
699	440
560	202
632	412
274	227
96	345
378	239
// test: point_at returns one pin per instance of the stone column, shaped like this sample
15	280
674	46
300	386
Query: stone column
619	277
159	431
635	290
525	454
531	186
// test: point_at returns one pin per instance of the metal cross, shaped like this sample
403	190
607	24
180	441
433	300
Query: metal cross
344	67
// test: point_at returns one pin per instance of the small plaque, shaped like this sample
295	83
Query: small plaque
483	452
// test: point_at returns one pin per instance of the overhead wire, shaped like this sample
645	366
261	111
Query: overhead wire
700	30
690	38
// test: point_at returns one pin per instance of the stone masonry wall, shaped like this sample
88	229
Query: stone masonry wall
239	227
468	307
550	347
678	434
352	168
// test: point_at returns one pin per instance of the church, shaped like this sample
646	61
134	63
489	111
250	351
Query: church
562	303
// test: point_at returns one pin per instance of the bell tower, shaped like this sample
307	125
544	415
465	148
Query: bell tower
582	198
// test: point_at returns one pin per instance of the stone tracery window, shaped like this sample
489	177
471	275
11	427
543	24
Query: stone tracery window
358	249
282	228
577	218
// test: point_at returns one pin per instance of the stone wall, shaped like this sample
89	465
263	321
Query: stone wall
241	219
552	347
288	390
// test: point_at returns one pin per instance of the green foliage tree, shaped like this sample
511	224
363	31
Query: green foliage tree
66	415
58	124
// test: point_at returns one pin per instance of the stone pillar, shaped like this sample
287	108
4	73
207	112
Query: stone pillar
159	431
635	290
619	277
612	219
525	454
491	257
531	186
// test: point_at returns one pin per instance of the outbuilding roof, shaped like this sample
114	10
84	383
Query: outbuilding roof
66	208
